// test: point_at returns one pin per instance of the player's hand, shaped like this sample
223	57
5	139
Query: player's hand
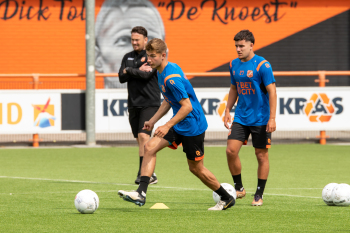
124	71
227	119
148	125
145	67
161	131
271	126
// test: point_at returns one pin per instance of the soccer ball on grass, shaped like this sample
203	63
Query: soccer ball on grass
229	188
341	195
86	201
327	193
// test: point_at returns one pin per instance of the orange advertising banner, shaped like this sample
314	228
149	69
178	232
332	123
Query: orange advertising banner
48	36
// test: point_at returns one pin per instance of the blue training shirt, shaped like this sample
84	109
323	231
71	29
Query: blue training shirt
251	79
175	86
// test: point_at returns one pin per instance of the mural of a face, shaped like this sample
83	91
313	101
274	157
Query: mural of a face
113	33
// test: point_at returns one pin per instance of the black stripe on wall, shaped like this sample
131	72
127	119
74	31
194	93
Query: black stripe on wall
73	111
324	46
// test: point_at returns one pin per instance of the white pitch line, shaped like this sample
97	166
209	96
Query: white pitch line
295	188
93	182
161	187
112	191
288	195
59	180
96	191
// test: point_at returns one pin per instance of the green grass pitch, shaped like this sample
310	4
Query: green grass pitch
38	186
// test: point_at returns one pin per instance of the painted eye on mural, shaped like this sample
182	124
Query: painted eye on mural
123	40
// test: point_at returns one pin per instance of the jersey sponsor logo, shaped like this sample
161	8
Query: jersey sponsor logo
241	72
267	65
130	58
250	74
245	88
319	108
163	88
172	82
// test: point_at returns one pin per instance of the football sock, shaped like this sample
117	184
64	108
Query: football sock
261	186
237	179
140	165
223	193
143	185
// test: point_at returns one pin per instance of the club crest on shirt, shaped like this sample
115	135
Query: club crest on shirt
143	59
163	88
172	82
250	74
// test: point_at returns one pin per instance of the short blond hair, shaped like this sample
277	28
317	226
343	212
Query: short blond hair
157	45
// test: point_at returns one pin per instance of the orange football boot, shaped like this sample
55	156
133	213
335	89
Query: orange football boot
258	200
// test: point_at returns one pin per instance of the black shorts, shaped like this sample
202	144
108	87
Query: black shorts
261	139
193	146
137	118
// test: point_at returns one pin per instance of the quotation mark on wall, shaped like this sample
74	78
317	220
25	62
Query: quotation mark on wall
293	4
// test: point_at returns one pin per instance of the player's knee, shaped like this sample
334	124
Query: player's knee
262	155
194	169
143	137
148	148
231	152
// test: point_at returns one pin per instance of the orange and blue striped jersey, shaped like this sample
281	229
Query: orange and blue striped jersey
174	86
251	79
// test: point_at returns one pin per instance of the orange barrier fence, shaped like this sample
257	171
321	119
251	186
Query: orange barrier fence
77	81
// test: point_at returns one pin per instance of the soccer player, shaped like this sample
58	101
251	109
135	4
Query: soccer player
187	126
143	91
253	83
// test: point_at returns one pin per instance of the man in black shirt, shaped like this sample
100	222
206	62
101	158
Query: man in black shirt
143	90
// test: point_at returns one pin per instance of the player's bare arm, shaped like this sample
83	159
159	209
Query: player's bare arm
271	124
163	109
232	97
186	108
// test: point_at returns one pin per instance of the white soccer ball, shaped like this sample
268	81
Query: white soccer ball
229	188
327	193
341	195
86	201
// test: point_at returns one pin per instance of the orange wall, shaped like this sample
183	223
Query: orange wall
198	41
